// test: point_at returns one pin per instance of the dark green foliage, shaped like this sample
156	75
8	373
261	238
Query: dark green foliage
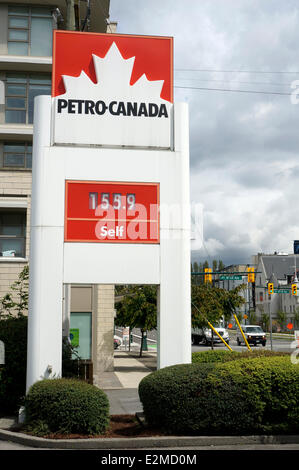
212	304
13	332
15	302
240	396
213	356
225	356
70	366
66	406
138	309
276	382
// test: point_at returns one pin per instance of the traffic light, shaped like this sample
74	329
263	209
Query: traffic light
251	275
208	274
294	289
270	288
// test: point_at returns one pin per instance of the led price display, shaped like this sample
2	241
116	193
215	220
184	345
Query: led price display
111	212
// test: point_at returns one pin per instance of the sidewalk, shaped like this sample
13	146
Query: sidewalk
121	386
129	369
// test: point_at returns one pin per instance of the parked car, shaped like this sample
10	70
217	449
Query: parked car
204	335
253	333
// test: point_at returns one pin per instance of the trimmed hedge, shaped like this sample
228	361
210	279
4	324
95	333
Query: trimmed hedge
225	356
66	406
276	381
241	396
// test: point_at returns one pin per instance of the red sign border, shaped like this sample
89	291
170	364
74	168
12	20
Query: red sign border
133	242
58	31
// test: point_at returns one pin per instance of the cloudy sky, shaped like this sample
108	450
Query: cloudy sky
244	146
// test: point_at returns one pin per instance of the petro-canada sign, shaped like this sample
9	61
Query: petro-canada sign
110	157
115	93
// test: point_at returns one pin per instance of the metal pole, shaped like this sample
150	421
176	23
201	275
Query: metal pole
215	331
270	324
242	332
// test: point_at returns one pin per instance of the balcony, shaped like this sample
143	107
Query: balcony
28	63
22	132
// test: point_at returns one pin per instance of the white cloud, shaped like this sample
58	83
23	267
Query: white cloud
244	148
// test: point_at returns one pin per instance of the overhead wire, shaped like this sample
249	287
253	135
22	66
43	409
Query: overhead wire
227	81
284	84
234	91
238	71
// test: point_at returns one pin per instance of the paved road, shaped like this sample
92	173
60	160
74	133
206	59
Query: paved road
278	344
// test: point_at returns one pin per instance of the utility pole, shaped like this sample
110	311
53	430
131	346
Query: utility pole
270	313
70	15
270	324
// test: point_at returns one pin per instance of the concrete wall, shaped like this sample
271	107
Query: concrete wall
103	328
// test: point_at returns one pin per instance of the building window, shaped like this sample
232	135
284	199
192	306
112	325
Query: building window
30	31
16	156
80	333
20	93
12	233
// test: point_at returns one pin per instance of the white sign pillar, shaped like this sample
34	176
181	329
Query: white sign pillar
174	294
110	154
54	262
46	261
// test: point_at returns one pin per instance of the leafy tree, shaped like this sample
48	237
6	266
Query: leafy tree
281	319
213	304
221	265
232	300
265	321
252	317
138	309
206	305
15	302
296	317
195	267
200	279
205	264
214	265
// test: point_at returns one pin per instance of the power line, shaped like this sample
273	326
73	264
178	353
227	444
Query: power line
233	81
235	91
236	71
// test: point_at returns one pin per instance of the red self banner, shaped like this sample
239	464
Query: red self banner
111	212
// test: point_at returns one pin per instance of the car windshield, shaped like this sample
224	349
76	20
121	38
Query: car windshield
253	329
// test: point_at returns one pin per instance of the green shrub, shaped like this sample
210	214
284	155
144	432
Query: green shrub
277	390
240	396
13	332
225	356
212	356
66	406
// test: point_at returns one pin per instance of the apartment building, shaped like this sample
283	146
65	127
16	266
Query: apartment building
25	72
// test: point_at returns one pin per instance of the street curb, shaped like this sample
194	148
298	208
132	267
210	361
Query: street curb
144	442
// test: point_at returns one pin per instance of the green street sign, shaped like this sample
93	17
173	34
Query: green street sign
230	277
281	291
